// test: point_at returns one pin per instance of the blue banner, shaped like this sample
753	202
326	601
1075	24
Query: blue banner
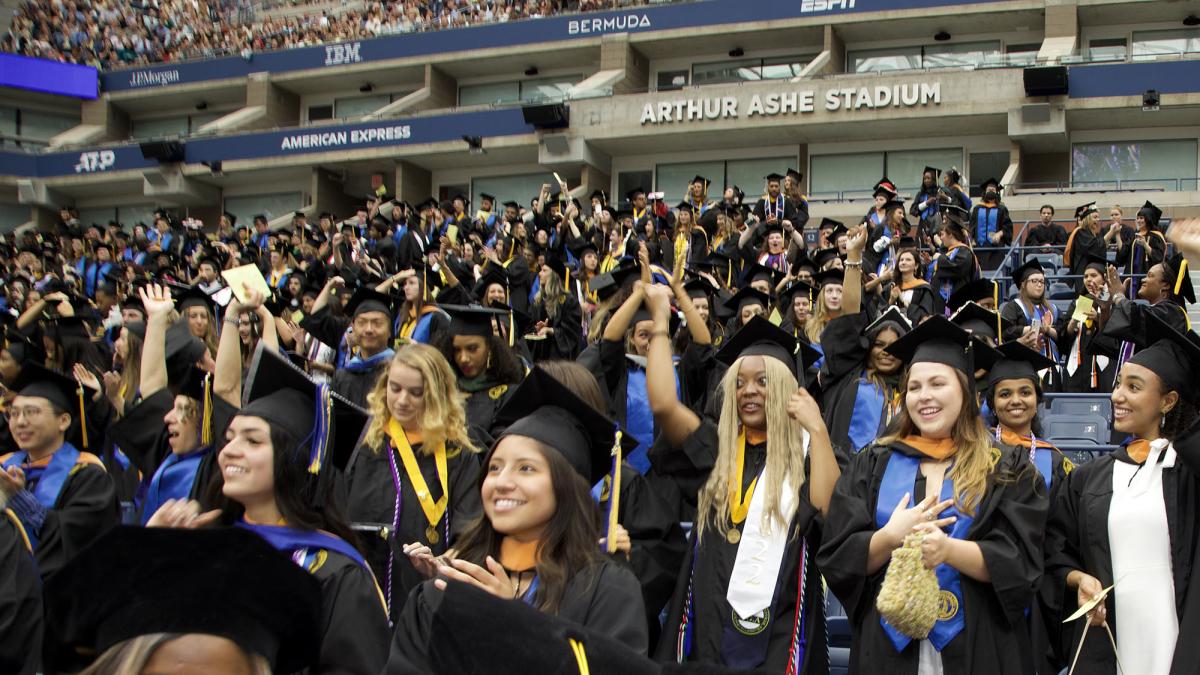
52	77
568	27
1133	79
284	143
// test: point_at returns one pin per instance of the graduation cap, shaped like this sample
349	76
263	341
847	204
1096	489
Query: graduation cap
369	300
796	286
493	274
773	177
325	424
932	171
1150	213
938	340
512	205
128	583
795	175
954	213
183	350
748	296
983	186
19	346
823	256
485	196
1172	356
699	288
68	327
547	411
884	187
194	296
1031	267
1018	362
1082	212
231	218
1175	270
581	248
981	321
953	174
1095	262
801	260
66	393
632	194
892	315
829	224
604	286
425	205
974	291
460	198
832	275
760	337
556	261
686	205
757	272
473	320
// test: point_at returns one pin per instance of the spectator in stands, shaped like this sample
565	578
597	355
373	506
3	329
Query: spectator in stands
990	224
1033	318
1091	357
1045	233
1084	243
956	267
951	181
1144	248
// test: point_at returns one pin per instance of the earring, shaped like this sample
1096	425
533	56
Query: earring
489	361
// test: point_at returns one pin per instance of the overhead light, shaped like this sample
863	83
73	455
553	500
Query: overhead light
1150	100
1191	20
475	144
531	71
941	36
737	52
202	105
366	87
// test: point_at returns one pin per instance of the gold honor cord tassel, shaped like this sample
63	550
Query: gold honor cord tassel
614	497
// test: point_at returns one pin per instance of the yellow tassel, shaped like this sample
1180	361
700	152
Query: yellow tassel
614	497
1181	276
206	422
996	302
511	329
581	661
82	418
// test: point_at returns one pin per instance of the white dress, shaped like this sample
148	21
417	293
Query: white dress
1146	626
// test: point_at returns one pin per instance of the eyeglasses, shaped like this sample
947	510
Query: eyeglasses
30	413
1039	282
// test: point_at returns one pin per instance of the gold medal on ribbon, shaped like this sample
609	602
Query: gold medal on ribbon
433	510
733	536
431	534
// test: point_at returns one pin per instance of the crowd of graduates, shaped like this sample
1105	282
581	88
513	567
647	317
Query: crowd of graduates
597	436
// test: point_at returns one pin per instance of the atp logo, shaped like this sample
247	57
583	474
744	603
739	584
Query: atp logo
340	55
96	160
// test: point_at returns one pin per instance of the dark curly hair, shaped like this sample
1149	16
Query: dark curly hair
503	365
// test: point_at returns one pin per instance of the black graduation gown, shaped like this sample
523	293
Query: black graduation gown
956	271
604	598
1046	235
410	254
846	354
1128	322
790	212
1007	526
709	564
1079	524
371	500
482	406
20	602
924	303
1158	252
85	509
566	341
354	627
1093	343
1082	242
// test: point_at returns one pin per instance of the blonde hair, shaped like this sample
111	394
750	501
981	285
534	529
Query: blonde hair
973	459
815	325
129	657
552	294
444	419
784	455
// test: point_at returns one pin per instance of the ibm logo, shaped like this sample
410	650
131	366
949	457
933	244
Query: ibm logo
340	55
101	160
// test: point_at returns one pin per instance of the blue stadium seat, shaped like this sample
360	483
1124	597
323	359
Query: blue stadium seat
1099	405
1060	291
1061	306
1076	429
1050	261
837	627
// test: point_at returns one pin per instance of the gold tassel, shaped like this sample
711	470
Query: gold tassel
614	497
206	421
581	661
82	417
1181	276
996	302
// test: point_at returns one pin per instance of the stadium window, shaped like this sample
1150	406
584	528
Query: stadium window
985	165
853	173
483	94
8	125
883	60
1022	55
132	215
13	215
904	167
629	180
520	189
547	88
725	72
272	205
158	128
748	174
1151	44
1103	163
38	125
784	67
671	80
1107	49
673	180
197	121
358	106
320	112
959	55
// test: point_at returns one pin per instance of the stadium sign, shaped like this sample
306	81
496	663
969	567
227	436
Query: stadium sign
797	102
609	24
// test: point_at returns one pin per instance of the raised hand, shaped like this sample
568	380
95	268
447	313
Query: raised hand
157	300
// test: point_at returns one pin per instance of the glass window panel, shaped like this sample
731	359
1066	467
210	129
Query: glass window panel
1022	55
170	126
904	167
748	174
320	112
520	189
1107	49
200	119
129	216
358	106
670	80
961	55
270	205
853	173
99	215
881	60
723	72
673	180
13	216
629	180
1097	164
548	89
985	165
784	68
8	121
1152	43
496	92
43	126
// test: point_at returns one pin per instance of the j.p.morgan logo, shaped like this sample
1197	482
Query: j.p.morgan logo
340	55
152	78
608	24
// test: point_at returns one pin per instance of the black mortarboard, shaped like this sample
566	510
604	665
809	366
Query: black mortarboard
796	286
545	410
1098	263
1031	266
512	205
884	187
701	179
632	194
822	257
796	175
1151	213
64	392
128	584
68	326
989	181
802	260
891	315
1175	273
1172	356
603	285
699	288
472	319
956	214
905	241
494	274
232	218
772	226
773	177
832	275
556	261
829	224
194	296
973	291
938	340
1018	362
981	321
368	300
484	195
932	170
758	272
748	296
426	204
599	194
183	350
20	347
686	206
581	248
760	337
461	198
1082	211
287	398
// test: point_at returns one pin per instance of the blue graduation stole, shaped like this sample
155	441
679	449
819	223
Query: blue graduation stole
898	479
47	482
289	540
173	480
422	331
1044	460
1051	349
358	364
867	414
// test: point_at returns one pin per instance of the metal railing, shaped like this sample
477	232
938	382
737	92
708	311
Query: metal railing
1117	185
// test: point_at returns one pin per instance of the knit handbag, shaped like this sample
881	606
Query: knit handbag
908	599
